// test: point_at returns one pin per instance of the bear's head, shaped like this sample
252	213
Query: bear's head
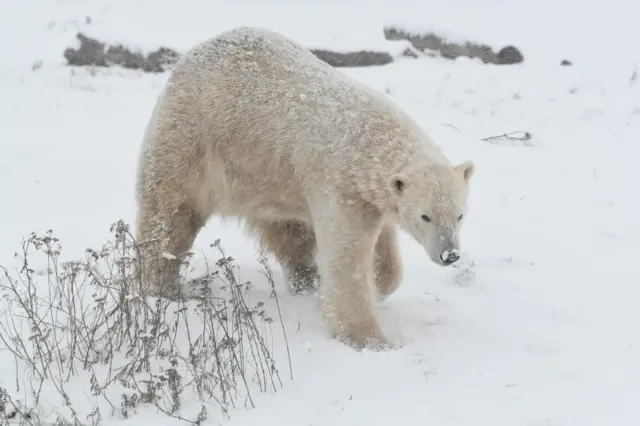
430	203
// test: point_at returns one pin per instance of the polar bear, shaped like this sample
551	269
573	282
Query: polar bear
323	169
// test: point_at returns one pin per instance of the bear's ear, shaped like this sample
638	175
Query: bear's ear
398	183
467	169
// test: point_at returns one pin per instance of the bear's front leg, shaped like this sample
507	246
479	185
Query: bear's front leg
388	263
346	236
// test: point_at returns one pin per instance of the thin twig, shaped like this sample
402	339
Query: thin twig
521	136
452	126
87	314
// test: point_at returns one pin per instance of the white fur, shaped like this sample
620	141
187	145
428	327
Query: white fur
253	126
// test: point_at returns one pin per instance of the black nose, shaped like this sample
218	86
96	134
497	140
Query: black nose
449	257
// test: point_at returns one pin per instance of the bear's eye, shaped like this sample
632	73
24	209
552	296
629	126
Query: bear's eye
460	217
426	218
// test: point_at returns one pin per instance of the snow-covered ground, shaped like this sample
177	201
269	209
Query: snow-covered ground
540	323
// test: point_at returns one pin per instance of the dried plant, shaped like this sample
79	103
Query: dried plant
81	328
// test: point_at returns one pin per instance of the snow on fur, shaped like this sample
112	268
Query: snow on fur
537	325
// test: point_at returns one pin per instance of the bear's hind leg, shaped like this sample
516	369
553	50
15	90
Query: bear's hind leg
165	235
347	236
388	263
293	244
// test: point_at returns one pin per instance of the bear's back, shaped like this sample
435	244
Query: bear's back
272	83
252	90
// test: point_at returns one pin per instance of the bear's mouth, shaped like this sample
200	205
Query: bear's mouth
446	258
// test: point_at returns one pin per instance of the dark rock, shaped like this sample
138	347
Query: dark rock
353	59
422	42
120	55
509	55
409	53
566	63
163	57
469	50
433	42
92	52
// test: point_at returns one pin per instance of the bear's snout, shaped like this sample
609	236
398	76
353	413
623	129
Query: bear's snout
449	257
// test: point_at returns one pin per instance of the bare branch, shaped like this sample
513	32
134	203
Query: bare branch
84	322
516	136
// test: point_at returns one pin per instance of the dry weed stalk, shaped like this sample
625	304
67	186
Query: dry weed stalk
82	325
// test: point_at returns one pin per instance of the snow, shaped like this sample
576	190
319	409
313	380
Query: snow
537	324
